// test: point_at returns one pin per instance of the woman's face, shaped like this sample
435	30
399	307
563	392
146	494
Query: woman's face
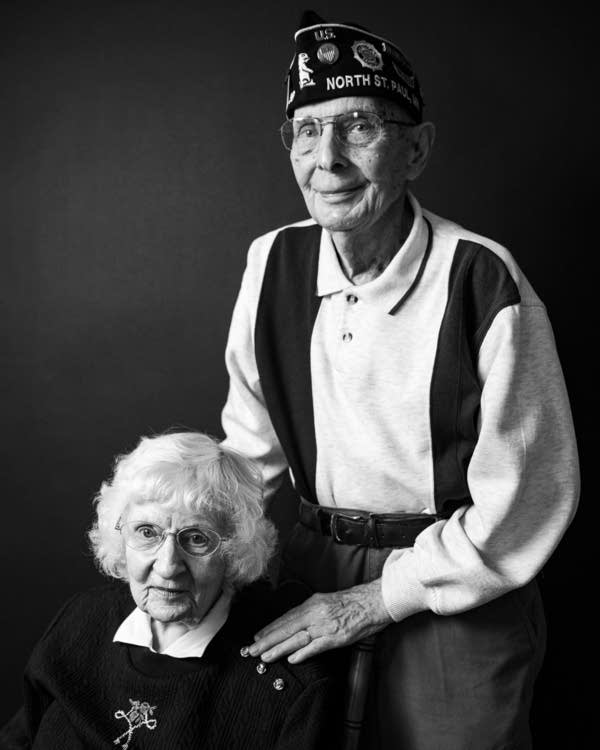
167	583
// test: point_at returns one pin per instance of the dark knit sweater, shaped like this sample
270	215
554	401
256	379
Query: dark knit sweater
84	691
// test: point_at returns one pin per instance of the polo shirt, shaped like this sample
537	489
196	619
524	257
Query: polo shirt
438	382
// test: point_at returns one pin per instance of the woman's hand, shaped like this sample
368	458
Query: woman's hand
323	622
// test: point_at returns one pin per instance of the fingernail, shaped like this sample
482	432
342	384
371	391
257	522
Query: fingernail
252	650
292	658
267	656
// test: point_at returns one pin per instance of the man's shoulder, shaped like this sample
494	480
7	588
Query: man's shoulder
262	245
287	237
484	251
269	236
451	231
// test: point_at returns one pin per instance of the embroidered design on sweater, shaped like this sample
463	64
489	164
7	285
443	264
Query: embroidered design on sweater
138	716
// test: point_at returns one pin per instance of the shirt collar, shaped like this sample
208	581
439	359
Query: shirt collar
388	288
135	629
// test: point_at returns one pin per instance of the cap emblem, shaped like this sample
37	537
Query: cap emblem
341	59
304	72
367	55
328	53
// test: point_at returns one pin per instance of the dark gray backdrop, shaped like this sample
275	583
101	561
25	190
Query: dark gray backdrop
139	157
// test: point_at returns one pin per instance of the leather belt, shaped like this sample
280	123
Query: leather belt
365	529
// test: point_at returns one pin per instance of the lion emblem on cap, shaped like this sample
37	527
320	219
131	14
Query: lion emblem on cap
304	71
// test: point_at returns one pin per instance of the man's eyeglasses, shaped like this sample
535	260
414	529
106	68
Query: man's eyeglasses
148	537
355	129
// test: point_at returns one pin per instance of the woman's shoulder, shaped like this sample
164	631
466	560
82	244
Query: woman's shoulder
113	596
257	606
94	609
268	600
262	602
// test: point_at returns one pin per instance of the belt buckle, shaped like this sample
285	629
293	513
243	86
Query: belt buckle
333	524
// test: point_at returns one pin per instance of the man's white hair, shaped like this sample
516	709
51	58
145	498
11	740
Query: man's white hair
192	470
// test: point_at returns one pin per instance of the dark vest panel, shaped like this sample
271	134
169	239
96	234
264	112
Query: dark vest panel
286	314
479	287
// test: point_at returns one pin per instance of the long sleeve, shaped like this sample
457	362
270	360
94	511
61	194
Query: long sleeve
523	477
245	418
383	404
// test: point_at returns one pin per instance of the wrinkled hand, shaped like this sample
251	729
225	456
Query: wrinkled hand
323	622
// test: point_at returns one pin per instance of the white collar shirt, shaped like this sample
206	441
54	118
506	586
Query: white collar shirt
136	630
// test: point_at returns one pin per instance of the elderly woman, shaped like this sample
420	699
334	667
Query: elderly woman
159	662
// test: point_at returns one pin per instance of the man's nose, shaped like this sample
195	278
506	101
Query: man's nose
169	558
330	151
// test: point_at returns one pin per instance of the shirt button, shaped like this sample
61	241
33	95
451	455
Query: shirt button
352	299
347	337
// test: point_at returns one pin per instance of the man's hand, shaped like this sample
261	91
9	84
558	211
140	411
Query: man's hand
323	622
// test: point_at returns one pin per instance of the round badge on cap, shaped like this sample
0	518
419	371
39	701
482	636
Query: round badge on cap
367	55
328	53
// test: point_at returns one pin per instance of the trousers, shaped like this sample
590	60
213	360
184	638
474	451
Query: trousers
457	682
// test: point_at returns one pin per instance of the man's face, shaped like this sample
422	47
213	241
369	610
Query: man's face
351	188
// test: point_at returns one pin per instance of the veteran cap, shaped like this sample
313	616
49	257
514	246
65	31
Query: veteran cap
344	59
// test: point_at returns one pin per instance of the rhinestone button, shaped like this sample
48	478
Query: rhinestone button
245	651
261	668
279	684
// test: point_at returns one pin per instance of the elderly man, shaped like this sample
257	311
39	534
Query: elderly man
404	371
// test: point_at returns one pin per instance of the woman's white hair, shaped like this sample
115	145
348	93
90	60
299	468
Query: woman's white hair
193	470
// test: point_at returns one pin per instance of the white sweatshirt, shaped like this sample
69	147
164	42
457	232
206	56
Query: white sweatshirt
377	354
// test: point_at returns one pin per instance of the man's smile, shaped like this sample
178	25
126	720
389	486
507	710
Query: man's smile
338	195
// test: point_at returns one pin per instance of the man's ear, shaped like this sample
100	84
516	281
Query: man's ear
423	136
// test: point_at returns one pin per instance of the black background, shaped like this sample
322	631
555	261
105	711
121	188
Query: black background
140	155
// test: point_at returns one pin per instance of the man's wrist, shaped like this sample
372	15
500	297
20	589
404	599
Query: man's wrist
370	598
402	592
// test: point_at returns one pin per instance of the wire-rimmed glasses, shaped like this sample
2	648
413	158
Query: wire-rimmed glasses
355	129
143	536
